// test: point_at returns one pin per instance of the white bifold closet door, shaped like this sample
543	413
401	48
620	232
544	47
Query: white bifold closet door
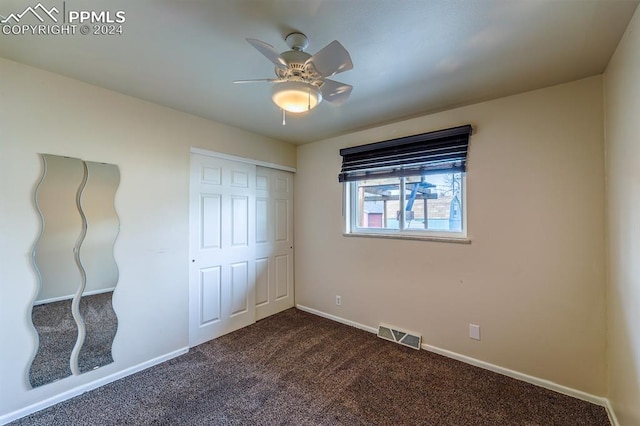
241	245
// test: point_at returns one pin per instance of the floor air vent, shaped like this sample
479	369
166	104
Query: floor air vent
403	337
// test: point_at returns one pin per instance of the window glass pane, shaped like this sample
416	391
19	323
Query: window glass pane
431	203
377	203
434	202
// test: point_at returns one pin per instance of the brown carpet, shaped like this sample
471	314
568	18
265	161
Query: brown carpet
295	368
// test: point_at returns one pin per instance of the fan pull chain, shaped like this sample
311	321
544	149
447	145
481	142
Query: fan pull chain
309	99
284	117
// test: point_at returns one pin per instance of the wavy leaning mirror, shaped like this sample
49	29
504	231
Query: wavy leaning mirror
73	256
100	269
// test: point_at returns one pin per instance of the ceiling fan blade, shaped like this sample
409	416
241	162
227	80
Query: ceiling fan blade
335	92
332	59
268	51
260	80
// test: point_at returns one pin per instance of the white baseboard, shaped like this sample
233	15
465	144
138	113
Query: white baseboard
338	319
603	402
547	384
612	414
87	387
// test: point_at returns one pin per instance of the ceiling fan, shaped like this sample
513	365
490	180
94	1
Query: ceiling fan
301	81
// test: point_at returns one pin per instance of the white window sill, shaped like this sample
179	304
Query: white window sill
410	237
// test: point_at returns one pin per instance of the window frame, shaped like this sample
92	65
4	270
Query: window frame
351	229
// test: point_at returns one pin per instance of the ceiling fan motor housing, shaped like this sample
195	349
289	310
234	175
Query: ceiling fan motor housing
296	69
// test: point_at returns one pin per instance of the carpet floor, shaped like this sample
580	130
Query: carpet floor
295	368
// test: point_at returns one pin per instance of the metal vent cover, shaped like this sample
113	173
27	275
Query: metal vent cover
397	335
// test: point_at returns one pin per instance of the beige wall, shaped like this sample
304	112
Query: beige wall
622	112
533	276
42	112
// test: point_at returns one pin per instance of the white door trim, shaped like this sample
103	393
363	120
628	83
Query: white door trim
209	153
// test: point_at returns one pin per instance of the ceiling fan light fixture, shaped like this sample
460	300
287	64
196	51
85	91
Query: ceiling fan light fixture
296	96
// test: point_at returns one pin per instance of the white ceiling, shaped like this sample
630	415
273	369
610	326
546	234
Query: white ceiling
410	57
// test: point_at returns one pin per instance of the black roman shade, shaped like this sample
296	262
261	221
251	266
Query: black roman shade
442	151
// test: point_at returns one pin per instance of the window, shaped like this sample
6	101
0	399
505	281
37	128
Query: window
409	187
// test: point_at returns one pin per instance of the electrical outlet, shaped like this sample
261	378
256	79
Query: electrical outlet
338	300
474	331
